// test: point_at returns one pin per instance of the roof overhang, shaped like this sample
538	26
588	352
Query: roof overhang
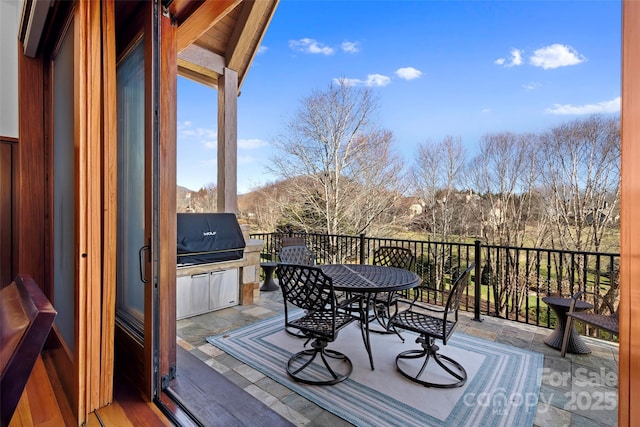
212	35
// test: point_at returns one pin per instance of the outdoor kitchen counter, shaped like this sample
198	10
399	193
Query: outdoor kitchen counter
248	267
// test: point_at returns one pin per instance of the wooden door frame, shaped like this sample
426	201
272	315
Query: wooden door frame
168	116
160	156
629	354
86	372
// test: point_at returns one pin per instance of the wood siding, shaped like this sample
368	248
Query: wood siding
167	196
6	209
29	173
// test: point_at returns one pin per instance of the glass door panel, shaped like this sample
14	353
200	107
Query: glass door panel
134	284
133	251
64	192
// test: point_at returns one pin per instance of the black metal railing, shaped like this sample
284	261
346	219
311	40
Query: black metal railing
509	282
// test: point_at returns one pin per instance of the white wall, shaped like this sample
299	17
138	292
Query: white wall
10	11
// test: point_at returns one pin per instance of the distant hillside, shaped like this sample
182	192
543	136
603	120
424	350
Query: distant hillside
252	201
183	198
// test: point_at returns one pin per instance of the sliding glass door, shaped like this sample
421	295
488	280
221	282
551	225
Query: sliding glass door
146	243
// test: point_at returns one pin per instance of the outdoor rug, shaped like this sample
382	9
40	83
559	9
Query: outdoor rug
501	390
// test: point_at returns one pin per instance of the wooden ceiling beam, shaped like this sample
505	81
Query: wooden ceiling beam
203	18
202	58
247	26
197	74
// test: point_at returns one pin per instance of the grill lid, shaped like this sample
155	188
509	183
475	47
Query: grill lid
208	237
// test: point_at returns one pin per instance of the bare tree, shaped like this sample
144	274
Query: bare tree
582	163
343	176
505	173
581	160
436	176
203	200
257	209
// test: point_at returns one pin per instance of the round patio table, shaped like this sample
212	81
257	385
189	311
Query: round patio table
367	280
560	306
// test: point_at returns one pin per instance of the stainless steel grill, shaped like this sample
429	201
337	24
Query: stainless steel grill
208	238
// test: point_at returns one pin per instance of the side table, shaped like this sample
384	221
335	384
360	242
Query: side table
560	306
268	284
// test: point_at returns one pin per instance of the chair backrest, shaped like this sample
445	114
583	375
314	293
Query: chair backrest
292	241
457	290
393	256
26	317
306	287
300	255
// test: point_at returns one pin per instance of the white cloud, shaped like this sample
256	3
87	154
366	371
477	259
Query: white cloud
514	60
262	49
199	133
486	110
532	85
347	82
408	73
556	55
516	57
209	145
350	47
377	80
206	137
307	45
251	144
612	106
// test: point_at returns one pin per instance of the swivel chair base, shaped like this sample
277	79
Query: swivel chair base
329	373
430	350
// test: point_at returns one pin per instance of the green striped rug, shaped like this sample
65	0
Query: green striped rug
502	387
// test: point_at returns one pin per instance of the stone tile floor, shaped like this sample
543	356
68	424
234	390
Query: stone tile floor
579	390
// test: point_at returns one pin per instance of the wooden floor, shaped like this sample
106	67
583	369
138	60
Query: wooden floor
38	405
43	404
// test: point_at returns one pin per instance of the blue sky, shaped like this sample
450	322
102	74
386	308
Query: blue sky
439	68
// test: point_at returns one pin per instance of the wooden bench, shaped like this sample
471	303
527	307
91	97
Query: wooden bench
26	317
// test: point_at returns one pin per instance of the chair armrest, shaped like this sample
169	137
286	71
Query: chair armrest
425	306
417	299
578	295
574	298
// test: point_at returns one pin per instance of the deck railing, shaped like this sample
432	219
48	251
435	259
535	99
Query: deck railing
509	282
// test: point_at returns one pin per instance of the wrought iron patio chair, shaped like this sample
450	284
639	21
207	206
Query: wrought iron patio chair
432	323
607	322
301	255
298	254
308	288
390	256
